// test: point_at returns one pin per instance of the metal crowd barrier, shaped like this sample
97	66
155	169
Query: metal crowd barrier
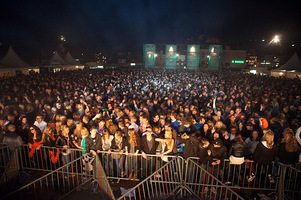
12	168
46	158
102	180
162	183
289	182
5	153
205	185
131	165
55	184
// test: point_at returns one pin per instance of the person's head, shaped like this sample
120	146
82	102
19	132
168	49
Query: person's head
269	138
34	130
255	135
65	130
118	134
24	120
291	143
215	135
105	132
101	123
10	117
238	138
39	118
205	143
217	143
93	131
70	122
11	128
233	130
79	126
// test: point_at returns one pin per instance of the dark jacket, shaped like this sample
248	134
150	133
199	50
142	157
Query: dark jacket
219	153
203	155
61	141
144	147
191	147
264	156
93	143
286	157
237	149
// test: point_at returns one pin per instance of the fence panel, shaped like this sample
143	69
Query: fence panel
205	185
53	185
162	183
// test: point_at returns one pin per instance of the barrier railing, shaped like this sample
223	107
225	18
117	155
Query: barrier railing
161	183
289	182
46	158
55	184
135	167
12	168
5	153
101	178
131	166
205	185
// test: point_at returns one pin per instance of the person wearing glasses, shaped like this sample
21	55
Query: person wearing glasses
40	123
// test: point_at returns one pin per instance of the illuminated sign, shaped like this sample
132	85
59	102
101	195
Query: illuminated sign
238	61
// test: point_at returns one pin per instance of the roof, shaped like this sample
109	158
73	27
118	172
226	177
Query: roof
12	60
57	60
293	64
70	60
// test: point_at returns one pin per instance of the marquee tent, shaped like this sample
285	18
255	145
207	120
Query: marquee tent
291	69
11	63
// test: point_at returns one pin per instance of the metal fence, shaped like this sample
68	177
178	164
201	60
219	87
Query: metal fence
136	167
12	168
204	184
160	184
100	176
53	185
46	158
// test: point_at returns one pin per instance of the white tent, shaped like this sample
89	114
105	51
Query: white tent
11	63
291	69
57	63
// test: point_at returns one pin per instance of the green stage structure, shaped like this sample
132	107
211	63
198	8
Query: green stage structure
170	56
193	57
215	57
149	58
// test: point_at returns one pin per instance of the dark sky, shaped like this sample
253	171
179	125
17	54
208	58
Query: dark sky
109	25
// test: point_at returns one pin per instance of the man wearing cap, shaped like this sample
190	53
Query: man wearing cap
218	151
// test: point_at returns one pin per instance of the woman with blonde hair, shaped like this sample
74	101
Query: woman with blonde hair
265	153
132	147
167	144
289	149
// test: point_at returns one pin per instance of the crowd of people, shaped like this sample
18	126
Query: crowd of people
213	115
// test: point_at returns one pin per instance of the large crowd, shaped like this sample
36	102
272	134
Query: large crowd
213	115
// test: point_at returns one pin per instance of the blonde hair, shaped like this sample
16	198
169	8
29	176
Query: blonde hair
291	144
269	138
133	137
84	132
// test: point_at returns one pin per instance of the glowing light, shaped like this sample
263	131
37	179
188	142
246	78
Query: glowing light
253	71
170	49
192	49
276	39
238	61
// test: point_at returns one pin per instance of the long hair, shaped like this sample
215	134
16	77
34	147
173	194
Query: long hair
238	138
133	137
269	138
291	144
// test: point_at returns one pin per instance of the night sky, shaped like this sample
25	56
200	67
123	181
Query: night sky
34	27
